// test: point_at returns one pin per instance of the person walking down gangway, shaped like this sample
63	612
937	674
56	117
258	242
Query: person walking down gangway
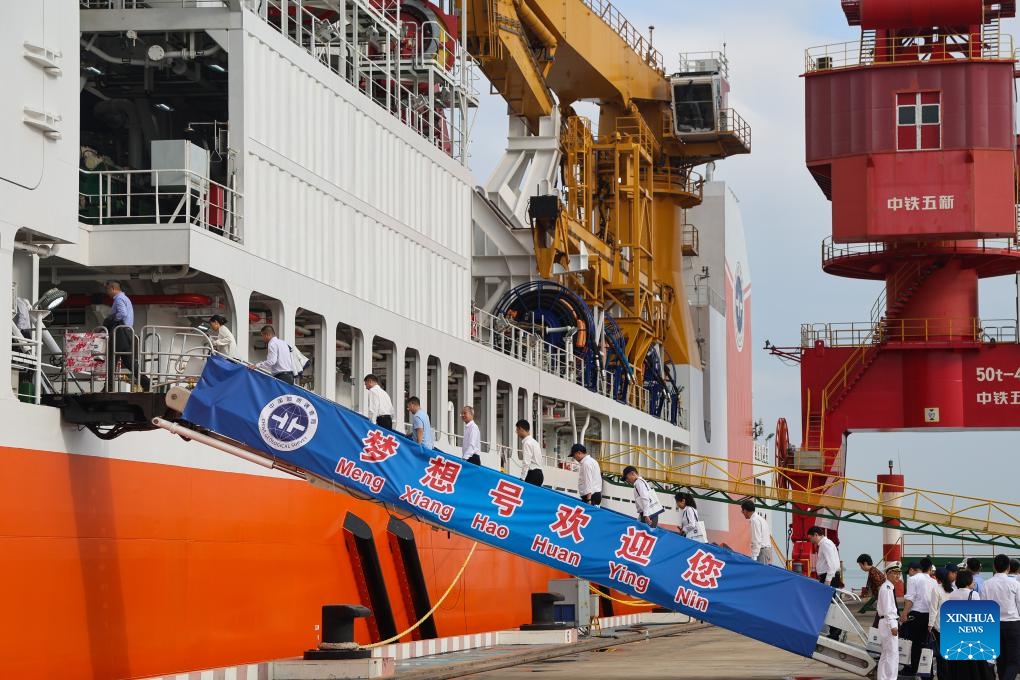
691	525
589	475
277	362
378	405
471	446
827	566
647	501
421	426
531	454
761	534
221	337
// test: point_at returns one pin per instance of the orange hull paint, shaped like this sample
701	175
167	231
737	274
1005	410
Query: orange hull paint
120	569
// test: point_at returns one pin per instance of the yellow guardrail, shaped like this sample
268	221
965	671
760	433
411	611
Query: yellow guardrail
842	495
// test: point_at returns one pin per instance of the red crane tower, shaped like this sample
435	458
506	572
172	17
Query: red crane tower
911	136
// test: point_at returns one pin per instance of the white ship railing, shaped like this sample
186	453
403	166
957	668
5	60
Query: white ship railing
438	113
28	359
159	197
150	4
500	335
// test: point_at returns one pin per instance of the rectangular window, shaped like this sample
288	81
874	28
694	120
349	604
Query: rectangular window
918	121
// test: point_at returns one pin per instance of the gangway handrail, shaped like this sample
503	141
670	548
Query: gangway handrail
957	516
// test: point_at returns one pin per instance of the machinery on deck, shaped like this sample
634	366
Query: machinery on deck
607	221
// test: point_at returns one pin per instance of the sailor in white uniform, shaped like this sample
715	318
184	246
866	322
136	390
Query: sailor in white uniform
888	625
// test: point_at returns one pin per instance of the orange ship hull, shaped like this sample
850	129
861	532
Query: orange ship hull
121	569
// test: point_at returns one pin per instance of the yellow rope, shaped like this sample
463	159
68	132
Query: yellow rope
434	607
630	603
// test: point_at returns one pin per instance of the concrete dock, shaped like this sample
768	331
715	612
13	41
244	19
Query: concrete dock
693	651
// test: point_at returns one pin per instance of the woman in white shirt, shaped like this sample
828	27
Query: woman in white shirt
222	339
647	501
689	522
937	596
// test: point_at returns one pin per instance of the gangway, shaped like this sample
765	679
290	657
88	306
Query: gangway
247	413
937	513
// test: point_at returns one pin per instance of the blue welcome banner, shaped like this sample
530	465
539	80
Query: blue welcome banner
327	440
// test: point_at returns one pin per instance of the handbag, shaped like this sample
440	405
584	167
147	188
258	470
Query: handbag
924	665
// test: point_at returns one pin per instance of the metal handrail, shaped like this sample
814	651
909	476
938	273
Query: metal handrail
731	121
378	75
152	4
930	48
500	335
979	518
832	251
504	337
631	35
160	197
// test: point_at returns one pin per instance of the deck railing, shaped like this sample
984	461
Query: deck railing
528	347
440	115
861	333
632	36
159	197
897	50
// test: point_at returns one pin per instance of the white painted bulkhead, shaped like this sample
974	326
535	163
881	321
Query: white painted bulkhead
351	215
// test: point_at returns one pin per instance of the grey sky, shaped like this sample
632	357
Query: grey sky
786	218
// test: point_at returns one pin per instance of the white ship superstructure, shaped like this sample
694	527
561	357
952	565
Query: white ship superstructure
300	164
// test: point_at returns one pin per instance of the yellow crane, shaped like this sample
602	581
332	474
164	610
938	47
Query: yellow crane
615	234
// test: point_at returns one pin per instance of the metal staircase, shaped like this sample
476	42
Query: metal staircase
899	290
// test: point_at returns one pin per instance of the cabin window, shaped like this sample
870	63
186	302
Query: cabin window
918	121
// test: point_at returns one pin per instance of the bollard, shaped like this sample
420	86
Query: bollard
542	613
338	633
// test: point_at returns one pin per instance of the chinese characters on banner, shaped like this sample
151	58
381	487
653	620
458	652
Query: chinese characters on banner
560	531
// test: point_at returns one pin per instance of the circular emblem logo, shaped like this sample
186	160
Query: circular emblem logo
738	307
288	422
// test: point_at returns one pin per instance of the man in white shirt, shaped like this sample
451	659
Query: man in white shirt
827	566
277	363
378	405
1006	592
645	500
589	475
531	454
916	605
471	446
888	625
761	535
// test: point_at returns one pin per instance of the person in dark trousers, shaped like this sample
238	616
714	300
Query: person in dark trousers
122	337
939	594
916	606
827	566
277	362
1006	592
378	403
531	454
